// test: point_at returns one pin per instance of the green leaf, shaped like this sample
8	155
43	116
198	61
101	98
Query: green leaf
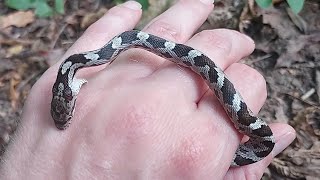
296	5
59	6
42	9
264	3
19	4
144	3
118	1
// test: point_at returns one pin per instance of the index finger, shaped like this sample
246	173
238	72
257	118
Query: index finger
118	19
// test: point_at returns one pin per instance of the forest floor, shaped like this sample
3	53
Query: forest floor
287	54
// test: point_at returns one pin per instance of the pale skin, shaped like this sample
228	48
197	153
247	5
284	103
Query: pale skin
143	117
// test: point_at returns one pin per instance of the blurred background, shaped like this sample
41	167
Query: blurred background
35	34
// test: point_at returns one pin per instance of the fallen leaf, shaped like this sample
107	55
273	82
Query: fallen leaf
13	93
18	19
14	50
5	65
313	119
275	18
298	21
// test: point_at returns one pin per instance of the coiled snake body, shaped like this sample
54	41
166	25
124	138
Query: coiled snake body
66	88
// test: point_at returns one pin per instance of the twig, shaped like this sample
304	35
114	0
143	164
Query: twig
304	101
259	59
57	36
318	84
308	94
13	39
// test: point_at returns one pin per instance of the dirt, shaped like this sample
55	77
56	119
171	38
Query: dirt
287	54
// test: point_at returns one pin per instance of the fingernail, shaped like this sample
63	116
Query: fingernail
132	5
284	141
249	38
207	1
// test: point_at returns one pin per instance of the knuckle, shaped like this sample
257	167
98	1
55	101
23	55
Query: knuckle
217	39
256	173
117	16
165	30
227	33
255	78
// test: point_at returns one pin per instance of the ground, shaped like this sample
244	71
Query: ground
287	54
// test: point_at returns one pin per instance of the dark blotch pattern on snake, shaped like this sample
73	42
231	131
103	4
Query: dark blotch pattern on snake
66	88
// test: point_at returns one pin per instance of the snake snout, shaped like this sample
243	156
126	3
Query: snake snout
59	112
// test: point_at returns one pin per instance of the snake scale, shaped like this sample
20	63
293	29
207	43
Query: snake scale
66	88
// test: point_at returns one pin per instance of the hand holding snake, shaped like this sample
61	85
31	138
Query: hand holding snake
142	115
67	87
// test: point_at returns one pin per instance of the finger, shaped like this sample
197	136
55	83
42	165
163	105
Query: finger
177	24
118	19
284	135
180	21
249	83
223	46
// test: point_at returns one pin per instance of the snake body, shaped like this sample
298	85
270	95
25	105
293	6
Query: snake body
66	88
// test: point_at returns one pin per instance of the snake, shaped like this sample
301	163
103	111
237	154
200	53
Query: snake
66	88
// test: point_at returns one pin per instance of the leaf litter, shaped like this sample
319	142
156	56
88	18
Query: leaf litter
287	54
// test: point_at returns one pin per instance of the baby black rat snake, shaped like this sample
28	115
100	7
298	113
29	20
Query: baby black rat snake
66	88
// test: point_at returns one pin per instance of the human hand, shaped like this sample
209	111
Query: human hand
143	117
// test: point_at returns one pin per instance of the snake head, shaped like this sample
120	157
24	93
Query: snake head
64	96
62	105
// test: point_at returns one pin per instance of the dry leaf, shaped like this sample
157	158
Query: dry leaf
298	21
313	119
18	19
13	93
14	50
5	65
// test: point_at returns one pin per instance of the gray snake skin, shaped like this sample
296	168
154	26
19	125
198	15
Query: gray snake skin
66	88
